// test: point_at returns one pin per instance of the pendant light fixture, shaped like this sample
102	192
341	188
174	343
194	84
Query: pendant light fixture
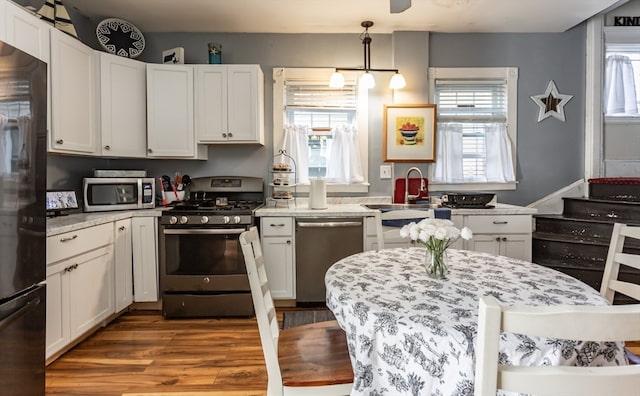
367	80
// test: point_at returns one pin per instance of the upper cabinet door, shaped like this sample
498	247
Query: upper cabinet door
245	97
211	103
24	31
73	96
170	131
229	104
123	106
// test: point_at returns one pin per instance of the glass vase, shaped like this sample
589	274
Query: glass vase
435	262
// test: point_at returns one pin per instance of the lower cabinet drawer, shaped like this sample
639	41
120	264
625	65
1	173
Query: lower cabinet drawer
499	224
277	226
75	242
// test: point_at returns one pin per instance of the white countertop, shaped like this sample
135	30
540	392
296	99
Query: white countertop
357	209
296	208
72	222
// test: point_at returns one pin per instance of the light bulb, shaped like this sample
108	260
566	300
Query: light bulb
367	81
397	81
337	80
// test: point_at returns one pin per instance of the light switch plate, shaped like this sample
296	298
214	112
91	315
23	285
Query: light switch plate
385	171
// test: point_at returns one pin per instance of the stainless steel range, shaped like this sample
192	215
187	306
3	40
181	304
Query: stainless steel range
202	270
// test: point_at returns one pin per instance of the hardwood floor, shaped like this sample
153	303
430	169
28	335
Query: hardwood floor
140	353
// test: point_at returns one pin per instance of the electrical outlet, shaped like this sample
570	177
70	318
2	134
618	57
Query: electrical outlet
385	171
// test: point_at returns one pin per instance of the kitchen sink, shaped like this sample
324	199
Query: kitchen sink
396	206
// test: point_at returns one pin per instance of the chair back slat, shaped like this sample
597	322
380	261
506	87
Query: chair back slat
583	323
263	302
615	258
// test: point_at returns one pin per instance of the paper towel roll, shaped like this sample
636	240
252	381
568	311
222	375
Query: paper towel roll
318	194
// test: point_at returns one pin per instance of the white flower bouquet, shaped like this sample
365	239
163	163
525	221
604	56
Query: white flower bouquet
436	235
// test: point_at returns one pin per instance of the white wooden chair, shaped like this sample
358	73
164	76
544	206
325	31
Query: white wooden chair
393	233
592	323
610	282
309	360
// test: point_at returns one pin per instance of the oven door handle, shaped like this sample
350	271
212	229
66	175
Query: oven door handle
201	231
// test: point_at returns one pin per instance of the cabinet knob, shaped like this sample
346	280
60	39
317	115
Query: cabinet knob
498	239
122	228
288	242
224	135
230	135
149	151
59	141
504	239
107	147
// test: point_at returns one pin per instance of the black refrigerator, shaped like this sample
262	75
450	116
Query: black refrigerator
23	156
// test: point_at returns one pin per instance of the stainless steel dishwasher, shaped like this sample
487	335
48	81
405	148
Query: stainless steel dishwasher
320	242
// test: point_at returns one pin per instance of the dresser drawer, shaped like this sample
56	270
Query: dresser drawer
277	226
499	224
72	243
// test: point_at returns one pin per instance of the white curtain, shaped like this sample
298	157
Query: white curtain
448	166
296	144
619	86
344	159
499	156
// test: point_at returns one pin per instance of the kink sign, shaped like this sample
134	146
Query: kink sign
626	21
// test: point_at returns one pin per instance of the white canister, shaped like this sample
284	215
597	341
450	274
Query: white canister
318	194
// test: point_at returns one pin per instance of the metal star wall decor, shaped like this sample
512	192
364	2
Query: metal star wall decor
551	102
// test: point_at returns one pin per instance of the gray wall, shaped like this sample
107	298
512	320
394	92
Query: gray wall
550	153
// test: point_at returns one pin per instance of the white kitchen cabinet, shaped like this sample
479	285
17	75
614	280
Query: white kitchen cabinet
80	284
229	104
170	113
123	264
145	259
505	235
278	251
73	96
23	30
123	106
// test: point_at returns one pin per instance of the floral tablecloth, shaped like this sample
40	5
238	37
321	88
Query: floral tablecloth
409	334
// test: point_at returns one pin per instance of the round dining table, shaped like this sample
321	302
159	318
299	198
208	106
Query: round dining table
410	334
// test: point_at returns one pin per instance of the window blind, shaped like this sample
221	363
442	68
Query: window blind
314	96
471	101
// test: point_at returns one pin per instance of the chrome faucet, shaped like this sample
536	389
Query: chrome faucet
423	187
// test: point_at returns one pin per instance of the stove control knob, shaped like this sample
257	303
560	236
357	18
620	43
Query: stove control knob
204	219
236	219
226	219
184	219
173	220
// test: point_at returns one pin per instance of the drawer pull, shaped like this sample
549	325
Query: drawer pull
500	222
68	239
276	225
71	268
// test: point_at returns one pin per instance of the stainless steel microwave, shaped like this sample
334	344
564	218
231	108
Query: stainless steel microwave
118	193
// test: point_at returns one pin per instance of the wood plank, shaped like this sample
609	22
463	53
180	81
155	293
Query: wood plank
142	354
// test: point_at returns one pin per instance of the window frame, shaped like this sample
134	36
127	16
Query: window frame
510	76
280	75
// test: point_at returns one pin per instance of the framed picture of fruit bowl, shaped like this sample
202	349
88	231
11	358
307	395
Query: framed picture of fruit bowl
409	133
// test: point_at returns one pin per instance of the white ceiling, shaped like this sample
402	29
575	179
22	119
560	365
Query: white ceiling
344	16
